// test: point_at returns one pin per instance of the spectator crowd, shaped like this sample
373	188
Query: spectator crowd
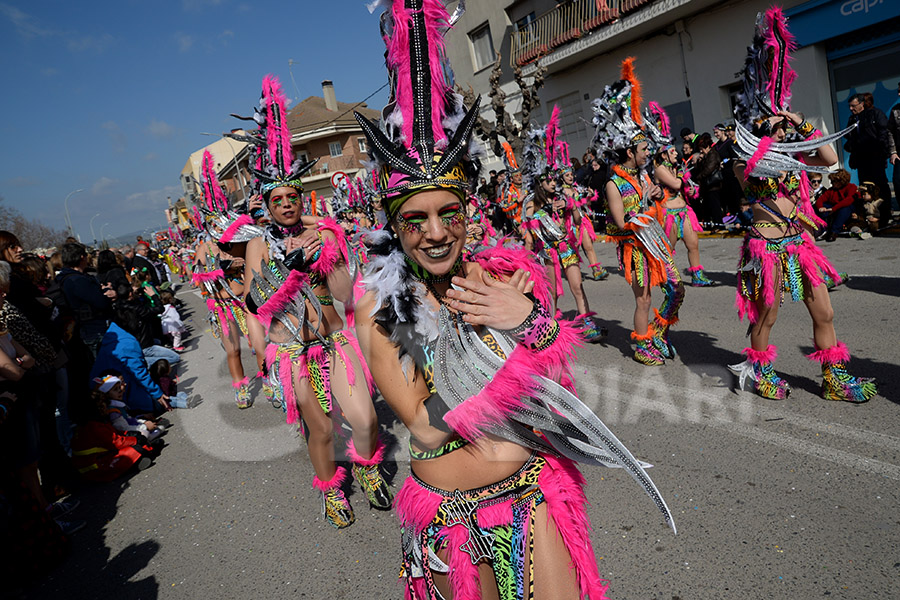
89	348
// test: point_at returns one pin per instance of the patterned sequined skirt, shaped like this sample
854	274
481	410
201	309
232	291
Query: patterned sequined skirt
224	311
313	361
789	266
493	525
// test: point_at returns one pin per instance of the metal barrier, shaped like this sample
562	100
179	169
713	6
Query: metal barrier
563	24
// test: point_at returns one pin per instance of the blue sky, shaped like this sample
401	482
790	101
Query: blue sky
111	97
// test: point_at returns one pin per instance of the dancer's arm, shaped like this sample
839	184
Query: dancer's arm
825	156
405	392
667	178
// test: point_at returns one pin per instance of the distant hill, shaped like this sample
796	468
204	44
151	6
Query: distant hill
131	238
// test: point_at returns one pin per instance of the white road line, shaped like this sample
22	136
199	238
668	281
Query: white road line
635	401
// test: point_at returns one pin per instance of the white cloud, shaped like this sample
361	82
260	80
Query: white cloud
226	36
92	43
49	72
102	185
160	129
24	23
184	41
151	201
116	135
150	156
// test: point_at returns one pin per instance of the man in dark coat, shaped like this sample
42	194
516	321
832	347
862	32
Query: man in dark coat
90	304
869	147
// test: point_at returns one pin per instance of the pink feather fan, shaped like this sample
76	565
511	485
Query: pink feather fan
780	43
657	111
278	135
399	60
215	197
552	136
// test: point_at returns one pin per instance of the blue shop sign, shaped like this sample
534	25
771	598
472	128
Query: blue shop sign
818	20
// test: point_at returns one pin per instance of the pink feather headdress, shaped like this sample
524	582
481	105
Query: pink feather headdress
424	137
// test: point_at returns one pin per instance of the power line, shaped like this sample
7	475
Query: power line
337	118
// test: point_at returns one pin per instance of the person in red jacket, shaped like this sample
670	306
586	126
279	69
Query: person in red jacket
101	453
835	205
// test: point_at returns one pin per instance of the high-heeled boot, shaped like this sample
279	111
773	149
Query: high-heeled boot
758	369
837	383
367	473
335	505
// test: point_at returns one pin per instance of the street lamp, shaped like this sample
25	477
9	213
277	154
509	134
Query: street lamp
102	227
237	167
68	218
93	237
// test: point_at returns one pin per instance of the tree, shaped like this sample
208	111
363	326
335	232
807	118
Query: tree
504	125
31	232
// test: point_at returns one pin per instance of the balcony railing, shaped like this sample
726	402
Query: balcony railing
563	24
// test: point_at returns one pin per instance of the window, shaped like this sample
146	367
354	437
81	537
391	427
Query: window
303	156
524	29
362	145
335	149
482	47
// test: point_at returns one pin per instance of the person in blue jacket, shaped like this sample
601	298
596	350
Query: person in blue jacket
121	351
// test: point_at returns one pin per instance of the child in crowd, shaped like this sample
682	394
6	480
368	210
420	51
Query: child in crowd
870	197
141	280
172	326
161	373
100	453
109	391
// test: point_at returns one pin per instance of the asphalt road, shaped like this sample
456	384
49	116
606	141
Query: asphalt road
772	499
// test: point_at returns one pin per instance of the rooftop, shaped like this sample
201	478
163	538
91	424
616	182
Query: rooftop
311	115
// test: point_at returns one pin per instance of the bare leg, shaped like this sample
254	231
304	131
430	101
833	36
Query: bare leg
232	345
692	243
759	334
588	246
818	303
319	426
257	336
551	277
642	301
554	579
573	275
356	404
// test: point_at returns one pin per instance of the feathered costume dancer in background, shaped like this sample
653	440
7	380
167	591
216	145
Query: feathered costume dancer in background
552	220
580	198
510	196
635	216
478	371
679	190
294	275
779	256
219	273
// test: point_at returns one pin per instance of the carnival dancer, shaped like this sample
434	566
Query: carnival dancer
219	272
633	223
551	221
464	352
678	188
581	199
295	273
779	257
510	195
479	231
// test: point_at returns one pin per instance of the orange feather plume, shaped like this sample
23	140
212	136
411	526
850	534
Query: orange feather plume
629	75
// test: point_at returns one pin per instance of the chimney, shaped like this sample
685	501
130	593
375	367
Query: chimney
328	94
